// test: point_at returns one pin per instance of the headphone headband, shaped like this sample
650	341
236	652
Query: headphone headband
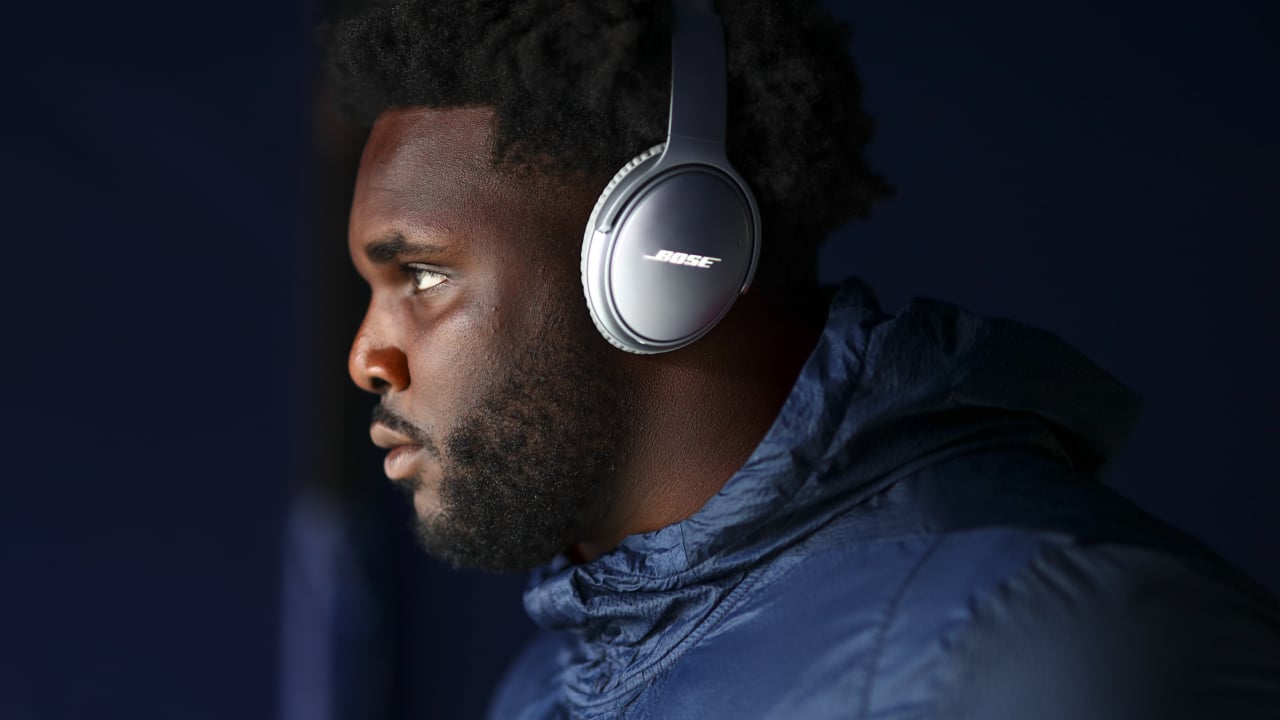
698	79
675	236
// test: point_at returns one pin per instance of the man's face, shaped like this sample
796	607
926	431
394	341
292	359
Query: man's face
500	405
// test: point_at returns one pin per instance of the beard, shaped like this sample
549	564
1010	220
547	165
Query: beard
529	467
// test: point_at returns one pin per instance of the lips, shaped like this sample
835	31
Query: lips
401	462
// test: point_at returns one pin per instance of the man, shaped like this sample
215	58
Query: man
814	510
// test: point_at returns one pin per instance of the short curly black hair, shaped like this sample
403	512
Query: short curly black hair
582	86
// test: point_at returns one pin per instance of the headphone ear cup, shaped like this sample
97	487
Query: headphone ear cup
668	249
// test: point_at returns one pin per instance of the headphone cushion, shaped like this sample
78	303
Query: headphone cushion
618	177
626	170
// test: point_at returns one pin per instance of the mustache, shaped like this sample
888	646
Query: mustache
386	416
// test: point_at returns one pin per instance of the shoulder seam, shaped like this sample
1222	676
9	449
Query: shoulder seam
882	633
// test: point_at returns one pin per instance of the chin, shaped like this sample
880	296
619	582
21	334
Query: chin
426	505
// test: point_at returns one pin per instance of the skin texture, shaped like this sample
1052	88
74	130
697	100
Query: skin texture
518	430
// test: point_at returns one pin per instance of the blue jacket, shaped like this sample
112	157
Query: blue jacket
921	534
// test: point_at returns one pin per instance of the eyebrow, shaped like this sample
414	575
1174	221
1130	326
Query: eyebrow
394	247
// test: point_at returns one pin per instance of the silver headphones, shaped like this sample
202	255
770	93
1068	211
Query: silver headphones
675	237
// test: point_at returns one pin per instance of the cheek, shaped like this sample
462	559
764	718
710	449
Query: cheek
464	343
453	350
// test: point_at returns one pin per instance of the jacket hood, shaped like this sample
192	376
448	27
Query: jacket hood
879	397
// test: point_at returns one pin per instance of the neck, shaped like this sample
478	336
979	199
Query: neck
703	411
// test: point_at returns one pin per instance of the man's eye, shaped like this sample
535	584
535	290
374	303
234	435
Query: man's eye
425	279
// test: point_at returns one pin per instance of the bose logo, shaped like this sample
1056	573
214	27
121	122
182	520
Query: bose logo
679	258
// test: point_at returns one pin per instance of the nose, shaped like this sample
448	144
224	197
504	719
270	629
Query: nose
376	364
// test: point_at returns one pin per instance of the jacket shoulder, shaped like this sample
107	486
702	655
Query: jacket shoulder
975	576
991	624
1115	631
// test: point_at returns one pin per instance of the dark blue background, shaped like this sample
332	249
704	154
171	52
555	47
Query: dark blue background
1107	173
